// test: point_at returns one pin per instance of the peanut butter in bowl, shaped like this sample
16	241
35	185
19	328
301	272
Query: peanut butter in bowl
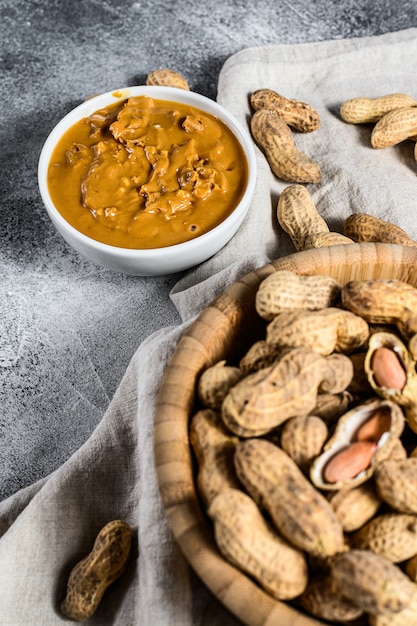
147	173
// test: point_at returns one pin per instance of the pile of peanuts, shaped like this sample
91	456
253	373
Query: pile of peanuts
307	449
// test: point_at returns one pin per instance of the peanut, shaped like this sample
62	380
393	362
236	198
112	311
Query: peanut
363	227
412	347
383	301
396	484
259	356
405	617
275	138
387	369
375	426
392	535
272	478
322	599
215	382
298	216
90	578
322	240
325	331
372	582
292	384
366	110
297	114
350	461
246	540
214	448
167	78
394	127
330	406
303	437
411	568
354	507
284	290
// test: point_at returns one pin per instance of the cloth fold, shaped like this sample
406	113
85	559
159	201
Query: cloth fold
46	528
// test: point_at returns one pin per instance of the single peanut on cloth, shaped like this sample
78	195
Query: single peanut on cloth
363	227
272	479
245	539
90	578
297	114
366	110
298	216
275	138
394	127
372	582
167	78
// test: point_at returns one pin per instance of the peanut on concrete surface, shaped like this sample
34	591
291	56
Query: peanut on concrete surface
319	466
167	78
90	578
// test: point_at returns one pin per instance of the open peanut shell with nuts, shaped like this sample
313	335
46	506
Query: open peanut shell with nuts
223	332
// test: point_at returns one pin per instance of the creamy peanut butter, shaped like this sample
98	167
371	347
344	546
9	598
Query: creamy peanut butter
147	173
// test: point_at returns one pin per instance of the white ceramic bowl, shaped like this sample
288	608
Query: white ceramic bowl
156	261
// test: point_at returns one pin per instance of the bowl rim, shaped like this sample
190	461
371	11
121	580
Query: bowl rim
173	94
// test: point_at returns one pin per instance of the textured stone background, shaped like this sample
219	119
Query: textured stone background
68	328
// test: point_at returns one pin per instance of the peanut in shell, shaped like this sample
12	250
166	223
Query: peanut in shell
383	301
405	617
361	227
297	114
303	437
392	535
167	78
325	331
368	110
396	484
284	291
298	216
322	599
214	447
275	138
292	384
395	126
372	582
215	382
299	512
355	507
245	539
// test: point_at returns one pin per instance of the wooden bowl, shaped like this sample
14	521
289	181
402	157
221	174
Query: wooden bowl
221	332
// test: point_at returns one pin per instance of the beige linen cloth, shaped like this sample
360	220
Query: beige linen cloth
47	528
